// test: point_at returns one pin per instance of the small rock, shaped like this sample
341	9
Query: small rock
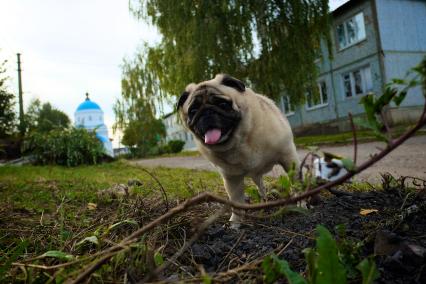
386	243
200	252
134	182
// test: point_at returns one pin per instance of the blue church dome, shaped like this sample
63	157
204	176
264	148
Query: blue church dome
88	104
102	138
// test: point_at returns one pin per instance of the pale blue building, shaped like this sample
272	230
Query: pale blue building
373	41
90	116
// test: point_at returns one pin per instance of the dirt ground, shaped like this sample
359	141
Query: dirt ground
395	233
407	160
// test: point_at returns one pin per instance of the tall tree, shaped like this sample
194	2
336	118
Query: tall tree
44	118
135	112
270	44
7	104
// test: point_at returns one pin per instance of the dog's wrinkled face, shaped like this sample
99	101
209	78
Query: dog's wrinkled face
209	111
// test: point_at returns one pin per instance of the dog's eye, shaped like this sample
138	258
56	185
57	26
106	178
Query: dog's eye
225	105
193	111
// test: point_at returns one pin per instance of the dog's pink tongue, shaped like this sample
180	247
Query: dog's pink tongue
212	136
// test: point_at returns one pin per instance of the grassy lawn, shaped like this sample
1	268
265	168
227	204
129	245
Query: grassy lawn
346	137
22	186
44	208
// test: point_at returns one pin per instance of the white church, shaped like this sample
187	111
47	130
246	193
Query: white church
89	115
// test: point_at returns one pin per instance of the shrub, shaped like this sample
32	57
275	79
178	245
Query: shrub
175	146
69	147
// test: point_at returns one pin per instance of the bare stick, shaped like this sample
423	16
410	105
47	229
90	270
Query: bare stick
354	137
163	191
302	164
230	251
387	128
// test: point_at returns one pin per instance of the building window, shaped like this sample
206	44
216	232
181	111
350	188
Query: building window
317	101
90	118
286	106
351	31
357	82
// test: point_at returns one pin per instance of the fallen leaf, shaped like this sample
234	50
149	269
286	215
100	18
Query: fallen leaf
365	212
91	206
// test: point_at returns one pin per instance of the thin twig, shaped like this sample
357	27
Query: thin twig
354	138
254	263
163	191
232	248
44	267
387	128
302	164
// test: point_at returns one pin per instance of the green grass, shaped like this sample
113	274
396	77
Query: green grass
345	137
182	154
38	188
44	208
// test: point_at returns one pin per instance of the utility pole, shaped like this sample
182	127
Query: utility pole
21	102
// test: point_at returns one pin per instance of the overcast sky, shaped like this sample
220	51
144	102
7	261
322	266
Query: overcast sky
72	47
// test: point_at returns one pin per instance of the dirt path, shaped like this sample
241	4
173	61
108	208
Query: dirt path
407	160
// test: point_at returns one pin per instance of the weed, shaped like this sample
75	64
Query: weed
329	262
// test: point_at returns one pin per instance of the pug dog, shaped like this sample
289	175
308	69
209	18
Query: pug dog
240	132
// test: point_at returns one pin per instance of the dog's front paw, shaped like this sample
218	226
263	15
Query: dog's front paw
235	221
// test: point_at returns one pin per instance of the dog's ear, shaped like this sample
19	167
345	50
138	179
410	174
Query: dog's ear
182	99
233	83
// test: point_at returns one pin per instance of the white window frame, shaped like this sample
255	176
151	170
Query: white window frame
321	97
289	106
366	81
360	35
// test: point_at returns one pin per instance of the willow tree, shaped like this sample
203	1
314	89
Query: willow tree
272	45
136	110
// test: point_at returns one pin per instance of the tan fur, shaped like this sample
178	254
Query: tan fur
262	139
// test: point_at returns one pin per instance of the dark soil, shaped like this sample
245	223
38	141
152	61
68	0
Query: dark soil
395	234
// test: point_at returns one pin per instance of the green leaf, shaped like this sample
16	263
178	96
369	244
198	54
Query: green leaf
274	268
398	99
368	270
330	270
158	259
269	273
285	183
375	126
58	254
253	193
127	221
207	279
348	164
398	81
92	239
295	209
311	259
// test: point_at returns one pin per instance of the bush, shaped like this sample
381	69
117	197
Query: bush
69	147
175	146
10	147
